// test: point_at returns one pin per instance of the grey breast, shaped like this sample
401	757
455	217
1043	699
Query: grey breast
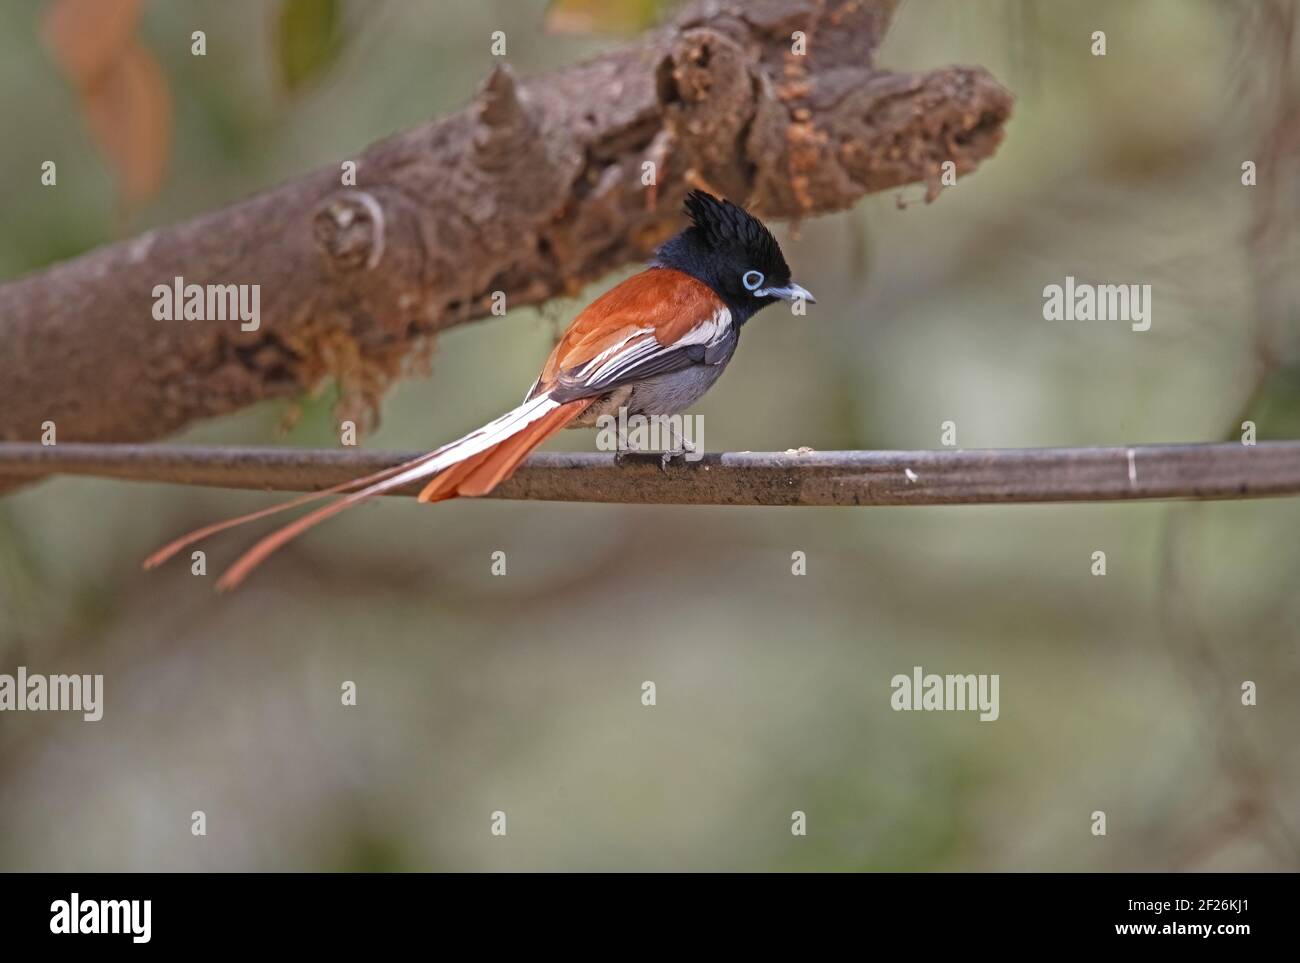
675	391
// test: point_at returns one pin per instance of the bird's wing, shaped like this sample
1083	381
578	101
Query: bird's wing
657	321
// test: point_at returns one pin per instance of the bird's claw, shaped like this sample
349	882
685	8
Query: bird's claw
668	457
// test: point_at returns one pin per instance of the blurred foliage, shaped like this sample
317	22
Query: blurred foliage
603	16
309	35
123	94
1275	405
521	693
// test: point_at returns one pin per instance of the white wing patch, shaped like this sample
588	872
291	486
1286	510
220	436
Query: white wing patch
642	346
605	355
708	332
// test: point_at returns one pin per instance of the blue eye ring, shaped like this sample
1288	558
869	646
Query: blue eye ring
752	280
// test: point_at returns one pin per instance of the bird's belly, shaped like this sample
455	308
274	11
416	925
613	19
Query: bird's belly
663	394
673	392
666	394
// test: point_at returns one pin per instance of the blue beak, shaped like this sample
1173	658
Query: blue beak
790	292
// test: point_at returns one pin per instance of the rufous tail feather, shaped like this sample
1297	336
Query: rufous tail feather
171	548
472	465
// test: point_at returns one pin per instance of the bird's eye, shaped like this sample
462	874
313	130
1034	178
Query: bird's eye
752	280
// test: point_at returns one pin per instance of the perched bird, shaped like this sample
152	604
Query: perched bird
652	345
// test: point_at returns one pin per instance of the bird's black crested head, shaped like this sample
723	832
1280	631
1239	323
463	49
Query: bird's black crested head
733	253
731	231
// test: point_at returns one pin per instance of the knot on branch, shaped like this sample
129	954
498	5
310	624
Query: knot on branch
503	124
349	227
780	104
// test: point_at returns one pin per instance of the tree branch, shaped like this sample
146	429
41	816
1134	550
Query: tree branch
533	190
936	477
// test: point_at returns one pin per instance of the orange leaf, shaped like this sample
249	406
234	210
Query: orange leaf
130	115
86	36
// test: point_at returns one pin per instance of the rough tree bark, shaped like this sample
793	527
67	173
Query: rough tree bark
534	189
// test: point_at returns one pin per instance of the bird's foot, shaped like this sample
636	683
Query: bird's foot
673	454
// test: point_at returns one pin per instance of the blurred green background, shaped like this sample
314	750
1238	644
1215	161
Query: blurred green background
522	693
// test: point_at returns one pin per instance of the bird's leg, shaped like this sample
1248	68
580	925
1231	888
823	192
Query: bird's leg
678	448
623	449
